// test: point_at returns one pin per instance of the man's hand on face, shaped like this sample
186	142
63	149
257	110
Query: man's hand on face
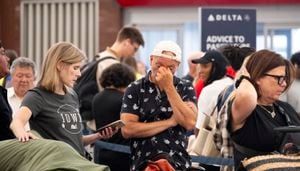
164	78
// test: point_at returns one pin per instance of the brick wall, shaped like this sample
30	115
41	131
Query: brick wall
10	24
110	23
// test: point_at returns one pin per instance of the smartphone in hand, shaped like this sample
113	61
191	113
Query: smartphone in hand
114	125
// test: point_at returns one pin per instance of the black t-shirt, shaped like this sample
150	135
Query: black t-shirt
5	117
258	131
106	108
55	116
188	77
145	100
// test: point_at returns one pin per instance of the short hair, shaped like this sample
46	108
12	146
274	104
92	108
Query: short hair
22	62
117	75
236	55
59	52
263	61
295	59
131	33
12	55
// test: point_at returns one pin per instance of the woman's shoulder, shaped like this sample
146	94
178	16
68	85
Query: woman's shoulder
72	92
284	105
37	90
289	110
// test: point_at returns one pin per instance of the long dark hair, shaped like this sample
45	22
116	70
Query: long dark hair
218	70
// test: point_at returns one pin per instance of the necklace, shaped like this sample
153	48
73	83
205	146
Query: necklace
272	113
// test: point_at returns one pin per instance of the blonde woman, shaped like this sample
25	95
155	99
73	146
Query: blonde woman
52	107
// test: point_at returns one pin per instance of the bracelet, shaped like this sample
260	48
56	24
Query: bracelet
238	82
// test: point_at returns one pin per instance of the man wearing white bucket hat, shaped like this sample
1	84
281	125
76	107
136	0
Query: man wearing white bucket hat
158	110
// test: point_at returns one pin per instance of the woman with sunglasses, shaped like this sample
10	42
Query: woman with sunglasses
255	109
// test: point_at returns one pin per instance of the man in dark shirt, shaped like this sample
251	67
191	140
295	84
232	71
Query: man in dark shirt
158	110
5	110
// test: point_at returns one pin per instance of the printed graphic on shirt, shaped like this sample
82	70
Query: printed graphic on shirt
71	120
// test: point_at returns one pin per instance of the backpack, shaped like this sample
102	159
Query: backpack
86	87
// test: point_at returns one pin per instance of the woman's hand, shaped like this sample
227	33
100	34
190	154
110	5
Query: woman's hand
107	133
243	70
26	136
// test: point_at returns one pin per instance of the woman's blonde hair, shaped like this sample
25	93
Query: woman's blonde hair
60	52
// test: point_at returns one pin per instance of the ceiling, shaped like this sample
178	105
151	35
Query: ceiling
164	3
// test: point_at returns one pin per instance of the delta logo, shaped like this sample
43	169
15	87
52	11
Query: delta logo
228	17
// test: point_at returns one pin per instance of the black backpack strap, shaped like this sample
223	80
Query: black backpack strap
106	57
223	96
96	62
248	151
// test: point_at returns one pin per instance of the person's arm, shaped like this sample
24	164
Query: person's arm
18	123
106	134
245	101
135	129
183	114
203	104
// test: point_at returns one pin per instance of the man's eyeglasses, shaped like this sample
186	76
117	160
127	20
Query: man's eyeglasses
280	78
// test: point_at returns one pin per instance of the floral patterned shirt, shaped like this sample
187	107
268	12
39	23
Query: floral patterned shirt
144	99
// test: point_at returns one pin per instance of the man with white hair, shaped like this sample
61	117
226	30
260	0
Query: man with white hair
22	78
158	110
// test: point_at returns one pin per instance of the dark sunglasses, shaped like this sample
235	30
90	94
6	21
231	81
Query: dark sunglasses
280	78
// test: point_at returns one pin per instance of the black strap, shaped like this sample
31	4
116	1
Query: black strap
106	57
287	117
222	97
238	81
248	151
88	65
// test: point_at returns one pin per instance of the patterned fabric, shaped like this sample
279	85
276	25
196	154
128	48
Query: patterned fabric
272	162
145	100
222	136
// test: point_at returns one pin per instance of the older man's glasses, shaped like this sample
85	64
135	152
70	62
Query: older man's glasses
280	78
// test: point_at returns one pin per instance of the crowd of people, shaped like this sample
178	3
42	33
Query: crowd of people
231	99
